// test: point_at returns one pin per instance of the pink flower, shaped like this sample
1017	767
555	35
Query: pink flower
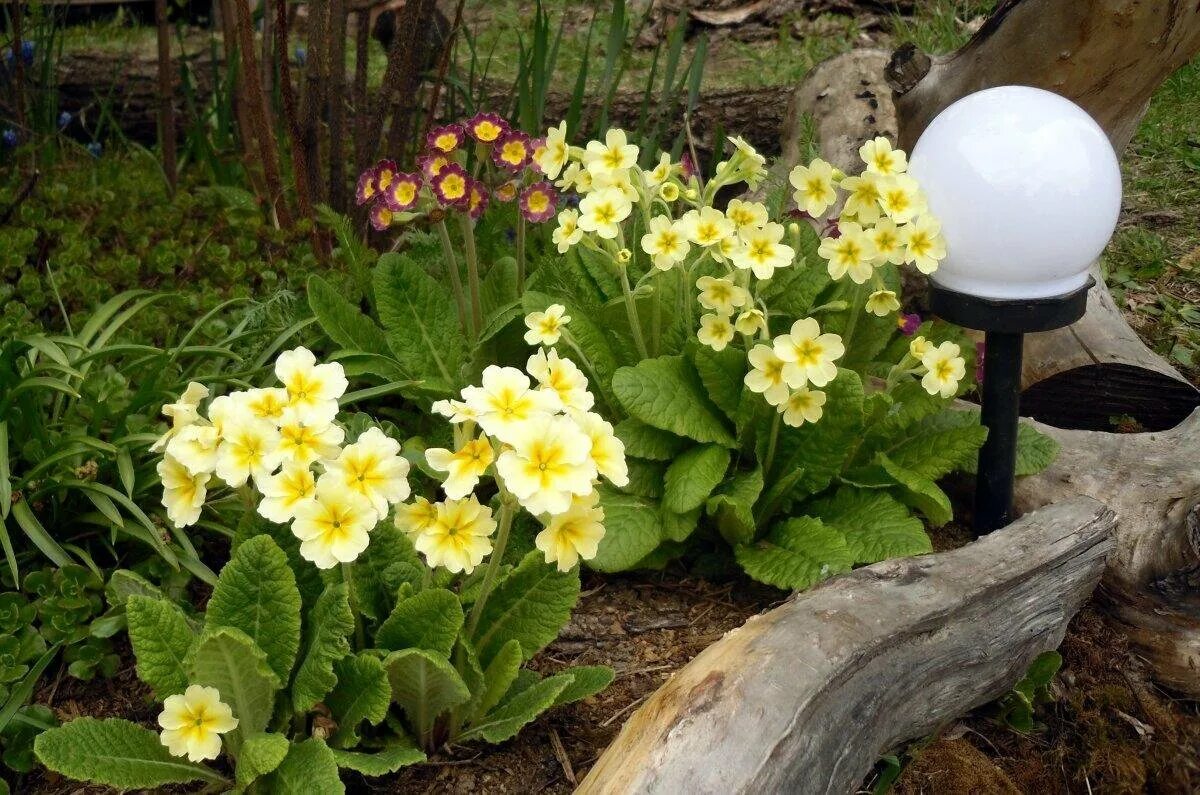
452	186
446	138
385	172
689	168
535	148
478	200
539	202
432	164
367	189
381	216
512	151
908	324
507	191
486	127
403	193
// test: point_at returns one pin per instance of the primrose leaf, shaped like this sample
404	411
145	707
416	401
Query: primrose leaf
876	525
309	767
529	606
507	719
116	753
227	659
499	676
386	760
1035	450
796	554
938	444
668	394
586	680
362	693
693	475
330	624
732	506
821	449
344	322
632	530
425	685
420	321
646	441
721	372
261	754
919	492
385	565
426	620
161	638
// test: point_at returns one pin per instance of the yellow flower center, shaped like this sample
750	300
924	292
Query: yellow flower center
454	187
605	213
406	192
943	370
385	179
919	243
538	202
808	352
487	131
513	152
446	141
761	250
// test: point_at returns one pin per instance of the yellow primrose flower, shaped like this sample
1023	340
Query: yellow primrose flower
668	192
195	448
573	535
888	240
545	328
602	212
577	177
505	401
924	245
666	242
265	404
456	410
944	369
715	331
766	374
459	538
608	452
463	466
803	405
183	492
720	295
549	462
563	377
862	198
183	412
724	250
660	173
901	198
707	226
554	155
750	322
193	721
372	467
414	518
746	215
567	233
304	444
814	187
313	389
615	154
882	303
851	252
762	252
808	354
918	347
754	165
882	159
284	492
618	180
248	449
334	526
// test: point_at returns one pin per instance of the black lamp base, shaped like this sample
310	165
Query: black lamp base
1005	322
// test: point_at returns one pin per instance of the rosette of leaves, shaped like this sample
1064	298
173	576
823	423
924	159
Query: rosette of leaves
365	668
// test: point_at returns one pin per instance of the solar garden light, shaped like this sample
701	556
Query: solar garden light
1028	189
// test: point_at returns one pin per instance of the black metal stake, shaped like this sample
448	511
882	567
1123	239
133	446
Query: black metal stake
1001	408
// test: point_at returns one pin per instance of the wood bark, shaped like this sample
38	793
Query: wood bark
166	98
806	697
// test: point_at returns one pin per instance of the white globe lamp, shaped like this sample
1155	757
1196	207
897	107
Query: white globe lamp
1028	189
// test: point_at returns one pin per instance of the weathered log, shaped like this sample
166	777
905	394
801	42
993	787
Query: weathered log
805	698
1152	585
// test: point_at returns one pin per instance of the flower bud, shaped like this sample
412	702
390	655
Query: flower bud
624	255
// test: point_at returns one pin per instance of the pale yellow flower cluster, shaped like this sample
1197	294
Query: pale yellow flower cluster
535	433
286	443
941	367
885	219
784	372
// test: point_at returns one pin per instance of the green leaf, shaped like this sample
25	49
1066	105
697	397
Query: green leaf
1035	450
362	693
821	449
427	620
632	530
116	753
732	506
425	685
389	562
667	394
256	593
227	659
586	680
499	676
386	760
507	719
721	373
678	527
344	322
529	606
261	754
646	441
876	525
919	492
692	476
308	576
161	638
420	320
308	768
792	291
646	478
938	445
796	554
329	625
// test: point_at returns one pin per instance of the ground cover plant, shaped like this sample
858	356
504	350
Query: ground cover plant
328	614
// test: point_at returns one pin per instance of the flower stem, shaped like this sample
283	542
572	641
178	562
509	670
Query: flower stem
520	254
360	638
508	510
635	325
455	277
468	233
857	300
771	444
